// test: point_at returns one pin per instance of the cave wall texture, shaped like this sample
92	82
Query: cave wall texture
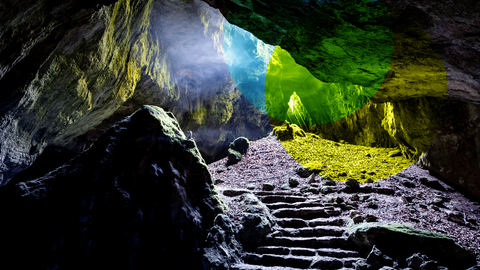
70	69
453	27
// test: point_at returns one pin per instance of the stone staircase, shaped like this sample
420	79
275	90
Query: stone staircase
309	234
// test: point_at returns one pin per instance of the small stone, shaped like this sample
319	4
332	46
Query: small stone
429	265
372	205
315	185
375	257
303	172
220	170
311	179
218	181
352	184
233	157
362	264
314	190
438	202
354	197
328	182
407	183
327	189
235	192
304	189
370	218
415	261
251	186
406	199
354	213
357	219
364	198
268	186
436	208
376	184
338	200
455	217
293	182
285	187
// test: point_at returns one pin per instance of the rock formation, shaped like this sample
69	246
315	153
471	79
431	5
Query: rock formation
452	29
70	70
394	238
140	197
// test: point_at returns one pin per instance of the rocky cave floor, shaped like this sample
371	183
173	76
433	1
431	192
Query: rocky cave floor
412	196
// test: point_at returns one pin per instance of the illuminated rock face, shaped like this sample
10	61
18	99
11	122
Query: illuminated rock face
69	72
451	27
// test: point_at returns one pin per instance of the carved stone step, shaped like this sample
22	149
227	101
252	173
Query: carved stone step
312	231
300	251
302	262
306	212
311	242
299	223
281	198
244	266
314	203
261	267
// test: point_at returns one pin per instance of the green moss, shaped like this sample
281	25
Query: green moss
342	161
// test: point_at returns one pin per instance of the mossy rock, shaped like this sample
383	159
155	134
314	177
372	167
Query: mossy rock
233	156
240	145
402	240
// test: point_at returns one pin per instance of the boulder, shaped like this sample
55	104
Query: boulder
142	195
408	240
233	157
268	186
222	248
293	182
256	220
240	145
303	172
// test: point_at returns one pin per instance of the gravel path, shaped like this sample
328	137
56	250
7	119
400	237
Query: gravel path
418	197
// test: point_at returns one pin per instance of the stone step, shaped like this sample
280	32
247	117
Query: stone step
314	203
306	212
300	251
271	193
310	242
302	262
244	266
300	223
313	231
281	198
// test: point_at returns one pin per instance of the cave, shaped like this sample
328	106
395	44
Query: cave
121	120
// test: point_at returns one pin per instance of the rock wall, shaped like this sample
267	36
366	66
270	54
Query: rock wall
453	29
70	70
140	197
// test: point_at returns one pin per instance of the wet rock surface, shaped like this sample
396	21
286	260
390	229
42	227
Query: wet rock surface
141	193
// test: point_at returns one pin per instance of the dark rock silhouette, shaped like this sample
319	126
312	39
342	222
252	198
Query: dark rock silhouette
139	197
